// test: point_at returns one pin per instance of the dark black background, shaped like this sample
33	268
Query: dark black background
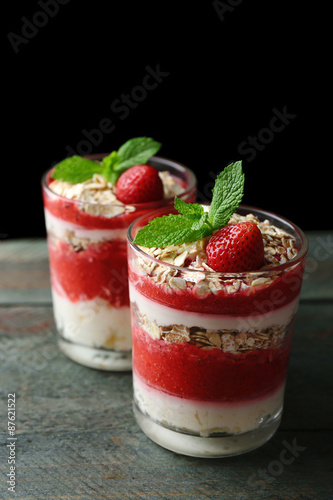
225	74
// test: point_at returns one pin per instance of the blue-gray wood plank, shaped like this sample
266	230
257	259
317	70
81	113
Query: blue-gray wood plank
76	434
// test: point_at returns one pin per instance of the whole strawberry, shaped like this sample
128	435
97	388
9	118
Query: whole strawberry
139	184
236	248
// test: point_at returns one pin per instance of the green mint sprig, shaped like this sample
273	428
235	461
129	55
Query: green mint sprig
192	222
135	151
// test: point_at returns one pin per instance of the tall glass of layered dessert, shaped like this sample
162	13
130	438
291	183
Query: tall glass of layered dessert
88	208
211	339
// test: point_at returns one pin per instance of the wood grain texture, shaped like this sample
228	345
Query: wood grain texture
77	437
24	272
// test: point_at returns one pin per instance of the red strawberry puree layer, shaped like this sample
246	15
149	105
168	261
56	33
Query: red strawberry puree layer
189	372
98	271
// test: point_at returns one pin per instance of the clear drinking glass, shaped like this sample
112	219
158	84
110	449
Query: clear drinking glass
211	350
88	266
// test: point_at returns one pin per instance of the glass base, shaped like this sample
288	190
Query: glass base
206	447
101	359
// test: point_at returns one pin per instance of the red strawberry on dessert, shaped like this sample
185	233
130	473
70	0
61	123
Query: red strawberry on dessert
236	248
139	184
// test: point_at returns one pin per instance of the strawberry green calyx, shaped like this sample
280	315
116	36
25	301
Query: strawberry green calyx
76	169
192	222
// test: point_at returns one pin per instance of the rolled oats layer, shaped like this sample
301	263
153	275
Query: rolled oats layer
231	341
77	244
97	194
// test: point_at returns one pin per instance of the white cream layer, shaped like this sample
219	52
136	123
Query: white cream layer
93	323
204	417
59	227
164	316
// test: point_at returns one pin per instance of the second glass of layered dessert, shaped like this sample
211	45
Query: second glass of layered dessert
212	320
89	204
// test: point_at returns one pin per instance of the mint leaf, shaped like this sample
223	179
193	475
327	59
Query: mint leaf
76	169
170	230
137	151
201	223
227	195
134	152
192	222
109	163
192	210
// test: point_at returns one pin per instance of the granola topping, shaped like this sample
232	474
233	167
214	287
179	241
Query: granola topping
99	195
231	341
279	248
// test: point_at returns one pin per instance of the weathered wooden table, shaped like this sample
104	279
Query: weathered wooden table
75	436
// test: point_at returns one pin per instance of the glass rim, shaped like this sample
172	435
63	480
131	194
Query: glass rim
153	204
229	275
